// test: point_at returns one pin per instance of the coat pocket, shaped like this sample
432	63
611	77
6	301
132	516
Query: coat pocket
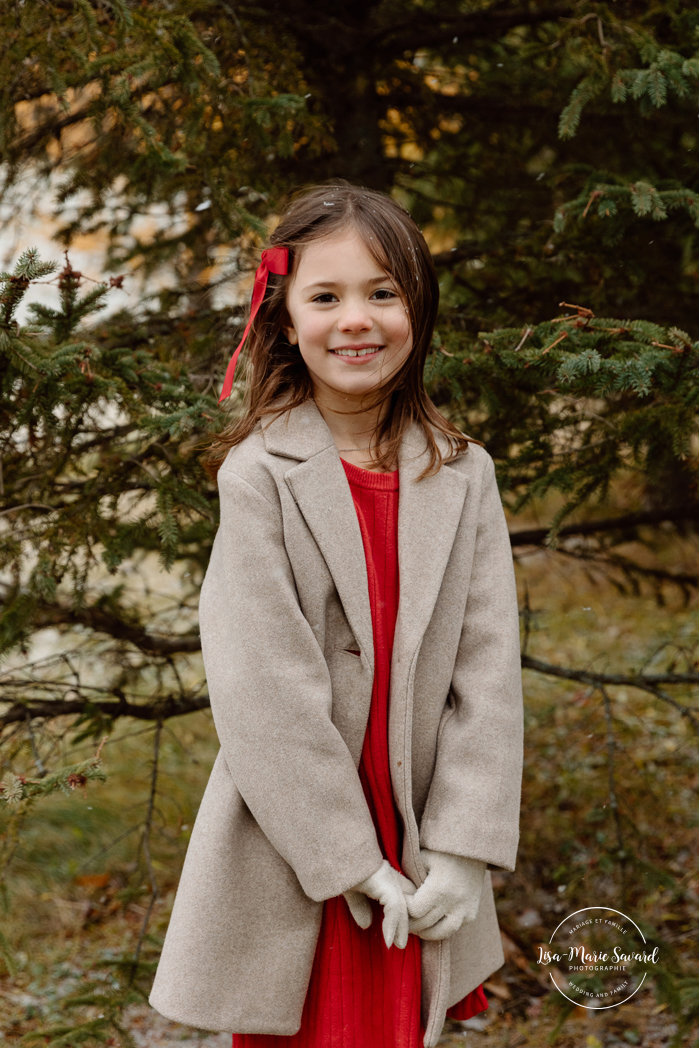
447	713
349	646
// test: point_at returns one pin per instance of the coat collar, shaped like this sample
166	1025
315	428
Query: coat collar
428	518
299	433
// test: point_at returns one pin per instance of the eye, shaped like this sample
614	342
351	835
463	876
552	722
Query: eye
384	294
326	296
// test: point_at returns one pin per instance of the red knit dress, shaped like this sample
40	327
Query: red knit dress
360	994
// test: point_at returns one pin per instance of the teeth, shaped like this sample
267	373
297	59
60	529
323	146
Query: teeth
355	352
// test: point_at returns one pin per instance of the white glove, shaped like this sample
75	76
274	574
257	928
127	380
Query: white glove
389	888
449	897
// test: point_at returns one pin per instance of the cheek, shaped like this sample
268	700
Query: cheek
313	329
397	328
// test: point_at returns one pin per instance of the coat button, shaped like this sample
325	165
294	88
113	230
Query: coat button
399	763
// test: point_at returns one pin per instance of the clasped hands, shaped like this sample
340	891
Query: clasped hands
449	897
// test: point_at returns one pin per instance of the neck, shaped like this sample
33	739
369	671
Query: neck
351	425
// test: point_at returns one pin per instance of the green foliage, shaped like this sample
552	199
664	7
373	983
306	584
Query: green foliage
15	788
582	400
76	466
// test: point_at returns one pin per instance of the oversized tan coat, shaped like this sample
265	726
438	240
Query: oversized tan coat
283	823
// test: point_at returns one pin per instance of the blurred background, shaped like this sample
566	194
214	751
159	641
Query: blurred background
549	153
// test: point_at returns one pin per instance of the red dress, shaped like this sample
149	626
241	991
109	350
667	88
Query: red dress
360	994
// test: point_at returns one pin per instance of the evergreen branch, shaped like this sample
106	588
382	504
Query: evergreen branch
30	505
648	682
163	709
431	30
488	107
53	126
538	536
102	621
586	90
633	572
462	253
16	788
617	202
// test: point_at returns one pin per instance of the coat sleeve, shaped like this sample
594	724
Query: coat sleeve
271	699
472	807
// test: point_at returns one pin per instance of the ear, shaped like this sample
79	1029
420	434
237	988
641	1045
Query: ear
291	335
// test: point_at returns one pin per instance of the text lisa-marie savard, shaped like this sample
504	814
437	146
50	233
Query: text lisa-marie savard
612	958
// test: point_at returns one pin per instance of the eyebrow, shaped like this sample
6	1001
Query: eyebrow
336	283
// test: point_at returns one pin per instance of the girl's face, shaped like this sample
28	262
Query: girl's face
348	318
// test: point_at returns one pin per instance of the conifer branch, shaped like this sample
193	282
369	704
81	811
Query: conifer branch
632	572
52	126
538	536
500	110
163	709
462	253
648	682
102	621
17	788
433	30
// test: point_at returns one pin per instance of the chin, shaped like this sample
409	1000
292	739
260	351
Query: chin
359	386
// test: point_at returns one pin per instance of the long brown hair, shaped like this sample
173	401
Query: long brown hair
276	371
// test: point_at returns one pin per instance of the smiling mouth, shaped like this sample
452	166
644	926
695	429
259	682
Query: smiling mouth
362	351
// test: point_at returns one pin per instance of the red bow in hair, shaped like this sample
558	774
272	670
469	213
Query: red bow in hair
274	260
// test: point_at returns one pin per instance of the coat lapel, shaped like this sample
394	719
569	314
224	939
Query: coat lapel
428	518
319	487
322	493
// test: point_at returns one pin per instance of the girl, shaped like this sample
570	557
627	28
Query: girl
335	892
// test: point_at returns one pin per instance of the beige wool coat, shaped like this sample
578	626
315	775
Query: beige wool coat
283	823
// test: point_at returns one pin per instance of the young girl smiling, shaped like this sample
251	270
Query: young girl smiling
360	635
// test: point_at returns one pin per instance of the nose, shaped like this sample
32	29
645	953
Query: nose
355	318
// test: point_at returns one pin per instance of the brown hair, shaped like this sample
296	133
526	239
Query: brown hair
276	370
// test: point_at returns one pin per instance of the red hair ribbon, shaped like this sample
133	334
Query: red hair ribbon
274	260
